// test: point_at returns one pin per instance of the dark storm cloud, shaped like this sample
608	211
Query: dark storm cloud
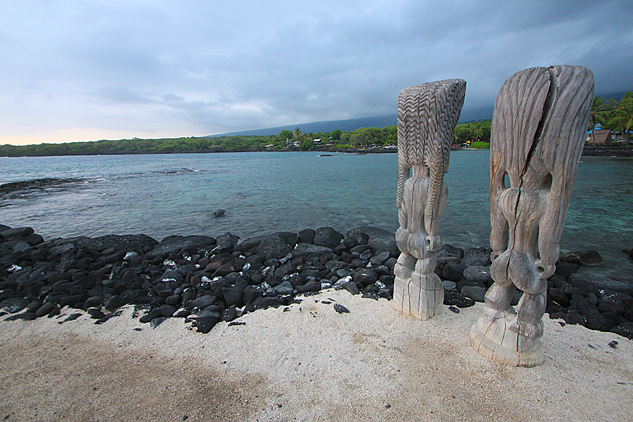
203	67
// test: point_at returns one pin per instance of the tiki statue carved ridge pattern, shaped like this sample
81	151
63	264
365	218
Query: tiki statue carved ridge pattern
538	132
427	115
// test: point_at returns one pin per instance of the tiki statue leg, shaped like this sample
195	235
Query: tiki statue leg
538	131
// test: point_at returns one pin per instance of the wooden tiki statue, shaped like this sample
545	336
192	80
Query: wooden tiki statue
538	132
427	115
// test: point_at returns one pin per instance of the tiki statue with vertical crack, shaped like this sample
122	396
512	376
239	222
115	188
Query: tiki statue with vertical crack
538	132
427	115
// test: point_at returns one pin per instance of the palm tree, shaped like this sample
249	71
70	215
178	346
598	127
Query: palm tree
297	133
621	117
599	114
477	130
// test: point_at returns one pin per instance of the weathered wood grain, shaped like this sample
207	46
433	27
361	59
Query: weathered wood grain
538	132
427	115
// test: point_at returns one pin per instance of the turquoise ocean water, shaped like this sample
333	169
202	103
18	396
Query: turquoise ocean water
161	195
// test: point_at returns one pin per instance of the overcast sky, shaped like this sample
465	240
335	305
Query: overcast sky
86	70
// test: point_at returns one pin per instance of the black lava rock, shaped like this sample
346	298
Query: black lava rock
138	243
95	313
351	287
229	314
570	318
457	299
479	274
558	296
365	276
340	309
16	233
310	286
328	237
476	256
449	251
625	330
166	310
233	296
276	245
25	316
154	313
595	283
306	236
566	269
453	271
313	253
14	305
114	303
45	309
157	321
379	240
476	293
175	244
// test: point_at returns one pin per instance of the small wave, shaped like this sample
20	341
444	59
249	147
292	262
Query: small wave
153	173
175	171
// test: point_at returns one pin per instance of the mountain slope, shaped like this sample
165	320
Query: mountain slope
467	115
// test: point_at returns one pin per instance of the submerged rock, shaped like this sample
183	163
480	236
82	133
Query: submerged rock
589	258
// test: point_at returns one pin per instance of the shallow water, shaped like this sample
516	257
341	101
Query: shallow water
161	195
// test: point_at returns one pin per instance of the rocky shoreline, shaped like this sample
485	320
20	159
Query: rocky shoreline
607	151
206	280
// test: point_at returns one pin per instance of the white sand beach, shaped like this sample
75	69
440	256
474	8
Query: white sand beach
304	363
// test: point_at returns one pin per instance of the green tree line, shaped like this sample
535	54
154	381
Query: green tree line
286	140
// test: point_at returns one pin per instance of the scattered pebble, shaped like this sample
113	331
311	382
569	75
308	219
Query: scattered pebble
71	317
340	309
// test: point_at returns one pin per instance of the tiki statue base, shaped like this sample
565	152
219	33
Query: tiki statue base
496	337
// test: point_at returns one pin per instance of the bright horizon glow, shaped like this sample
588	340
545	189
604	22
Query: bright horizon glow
64	137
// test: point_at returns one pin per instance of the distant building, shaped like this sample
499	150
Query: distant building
601	137
316	141
270	145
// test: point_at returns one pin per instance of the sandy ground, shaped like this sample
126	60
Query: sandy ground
305	363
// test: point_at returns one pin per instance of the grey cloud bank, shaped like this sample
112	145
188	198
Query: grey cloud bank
86	70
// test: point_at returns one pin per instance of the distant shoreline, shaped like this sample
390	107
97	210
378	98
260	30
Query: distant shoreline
588	151
607	151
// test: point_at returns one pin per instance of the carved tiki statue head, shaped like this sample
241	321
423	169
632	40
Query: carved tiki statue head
427	115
